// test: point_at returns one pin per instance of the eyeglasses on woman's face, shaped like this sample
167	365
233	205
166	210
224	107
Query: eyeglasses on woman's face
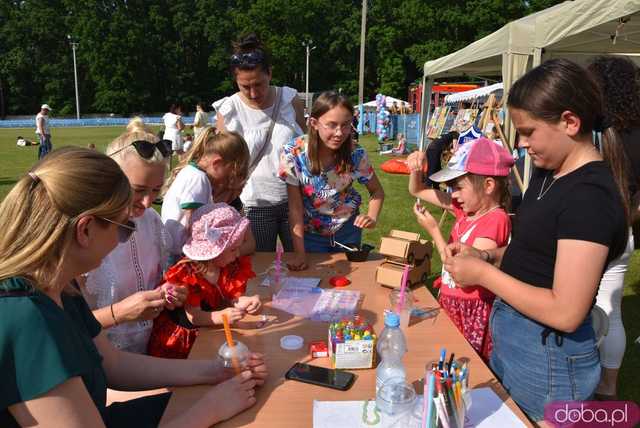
146	149
124	230
333	127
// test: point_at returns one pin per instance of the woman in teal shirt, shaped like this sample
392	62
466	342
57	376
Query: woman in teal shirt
58	222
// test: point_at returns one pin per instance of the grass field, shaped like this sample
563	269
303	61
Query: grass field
397	214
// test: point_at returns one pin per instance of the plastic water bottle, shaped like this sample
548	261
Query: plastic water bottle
391	348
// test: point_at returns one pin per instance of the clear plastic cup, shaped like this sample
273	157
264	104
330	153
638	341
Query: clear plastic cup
405	311
395	397
276	277
239	351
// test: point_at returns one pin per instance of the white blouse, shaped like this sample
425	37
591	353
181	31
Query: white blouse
263	188
135	265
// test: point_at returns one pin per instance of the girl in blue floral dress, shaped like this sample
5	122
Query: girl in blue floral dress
319	169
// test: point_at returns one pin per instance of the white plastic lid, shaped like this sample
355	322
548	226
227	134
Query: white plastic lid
291	342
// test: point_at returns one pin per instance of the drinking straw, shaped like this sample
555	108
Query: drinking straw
427	408
403	287
230	344
279	251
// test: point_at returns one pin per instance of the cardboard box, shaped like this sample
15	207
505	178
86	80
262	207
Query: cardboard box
406	248
389	274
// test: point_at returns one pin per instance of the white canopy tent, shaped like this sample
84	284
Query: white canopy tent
473	94
388	102
577	29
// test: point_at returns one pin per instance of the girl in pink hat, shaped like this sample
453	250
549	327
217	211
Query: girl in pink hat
478	173
215	275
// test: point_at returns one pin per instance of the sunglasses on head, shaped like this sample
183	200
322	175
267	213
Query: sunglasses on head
124	230
249	58
146	149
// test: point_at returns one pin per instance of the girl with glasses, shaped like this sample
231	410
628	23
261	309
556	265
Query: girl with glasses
267	117
56	359
319	169
122	291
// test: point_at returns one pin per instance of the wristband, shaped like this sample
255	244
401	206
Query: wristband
486	256
113	315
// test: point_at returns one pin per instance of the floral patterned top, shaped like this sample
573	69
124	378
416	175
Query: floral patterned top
329	198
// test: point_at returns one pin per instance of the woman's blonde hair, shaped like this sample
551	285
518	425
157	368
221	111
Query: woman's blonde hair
230	146
121	148
39	215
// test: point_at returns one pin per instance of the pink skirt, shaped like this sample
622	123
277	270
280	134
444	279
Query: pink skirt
471	316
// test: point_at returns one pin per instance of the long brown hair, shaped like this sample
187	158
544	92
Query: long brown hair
558	85
325	102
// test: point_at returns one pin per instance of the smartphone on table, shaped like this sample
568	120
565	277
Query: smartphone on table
331	378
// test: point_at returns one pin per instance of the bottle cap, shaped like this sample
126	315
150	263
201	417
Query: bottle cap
291	342
391	319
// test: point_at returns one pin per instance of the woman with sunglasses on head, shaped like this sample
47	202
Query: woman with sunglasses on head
59	221
122	291
267	117
320	169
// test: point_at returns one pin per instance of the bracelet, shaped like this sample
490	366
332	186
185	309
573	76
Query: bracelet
113	315
488	257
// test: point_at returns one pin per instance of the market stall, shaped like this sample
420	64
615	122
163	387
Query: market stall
578	30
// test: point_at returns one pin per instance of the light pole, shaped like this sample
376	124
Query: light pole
363	33
309	47
74	46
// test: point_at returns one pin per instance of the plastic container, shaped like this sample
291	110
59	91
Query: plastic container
275	278
405	313
360	253
239	351
395	397
391	348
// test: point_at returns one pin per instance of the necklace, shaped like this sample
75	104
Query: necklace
472	221
544	191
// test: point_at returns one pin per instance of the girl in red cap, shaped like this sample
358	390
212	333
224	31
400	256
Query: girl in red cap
478	173
215	275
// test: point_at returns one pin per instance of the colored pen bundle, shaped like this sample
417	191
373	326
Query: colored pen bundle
445	392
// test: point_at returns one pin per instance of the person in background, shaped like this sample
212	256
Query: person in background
617	77
43	131
199	121
173	127
59	221
434	155
268	117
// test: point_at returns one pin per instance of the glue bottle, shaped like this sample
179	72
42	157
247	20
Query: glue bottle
391	348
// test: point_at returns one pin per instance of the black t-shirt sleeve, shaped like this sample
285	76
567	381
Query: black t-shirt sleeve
589	214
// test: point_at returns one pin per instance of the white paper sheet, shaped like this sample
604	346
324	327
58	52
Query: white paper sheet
487	411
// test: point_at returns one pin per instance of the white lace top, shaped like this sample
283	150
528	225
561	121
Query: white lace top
135	265
264	188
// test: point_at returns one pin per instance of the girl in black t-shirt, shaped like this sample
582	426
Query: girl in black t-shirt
570	225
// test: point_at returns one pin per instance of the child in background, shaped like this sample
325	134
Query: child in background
217	162
215	275
478	173
188	142
319	169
